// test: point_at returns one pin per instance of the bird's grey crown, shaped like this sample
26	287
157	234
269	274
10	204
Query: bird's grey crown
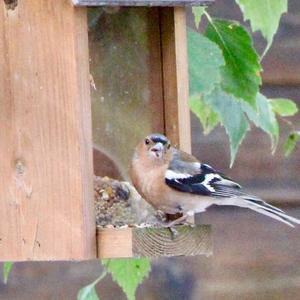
158	138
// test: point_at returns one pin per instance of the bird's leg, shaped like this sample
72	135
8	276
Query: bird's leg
177	221
169	221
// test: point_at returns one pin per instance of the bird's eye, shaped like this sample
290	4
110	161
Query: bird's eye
147	142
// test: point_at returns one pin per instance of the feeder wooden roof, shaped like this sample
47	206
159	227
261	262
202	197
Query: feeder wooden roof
142	2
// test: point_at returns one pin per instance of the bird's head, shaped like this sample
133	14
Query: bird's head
155	146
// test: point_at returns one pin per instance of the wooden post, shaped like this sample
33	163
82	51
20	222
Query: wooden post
46	192
175	76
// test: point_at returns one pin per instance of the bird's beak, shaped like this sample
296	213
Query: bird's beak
157	149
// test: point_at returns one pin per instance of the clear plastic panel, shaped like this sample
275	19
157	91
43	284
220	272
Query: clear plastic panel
125	66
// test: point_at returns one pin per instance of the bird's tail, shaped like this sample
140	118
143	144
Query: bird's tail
270	210
264	208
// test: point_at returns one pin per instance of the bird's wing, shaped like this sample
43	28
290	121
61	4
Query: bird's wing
191	176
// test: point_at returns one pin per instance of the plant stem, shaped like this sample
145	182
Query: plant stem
265	51
289	123
102	275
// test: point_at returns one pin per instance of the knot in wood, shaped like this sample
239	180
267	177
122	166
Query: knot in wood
11	4
20	167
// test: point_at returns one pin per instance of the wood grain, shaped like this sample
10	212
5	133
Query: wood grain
141	2
46	192
154	242
114	243
175	77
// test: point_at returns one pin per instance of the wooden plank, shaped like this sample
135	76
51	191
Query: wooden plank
175	77
142	2
155	73
46	192
154	242
114	243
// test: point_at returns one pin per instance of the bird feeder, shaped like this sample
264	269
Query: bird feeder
59	68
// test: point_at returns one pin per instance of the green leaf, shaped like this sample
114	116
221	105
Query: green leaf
291	142
231	116
208	118
88	293
7	266
264	15
284	107
128	273
241	74
263	117
205	60
198	12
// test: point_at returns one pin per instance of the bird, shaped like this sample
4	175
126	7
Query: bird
175	182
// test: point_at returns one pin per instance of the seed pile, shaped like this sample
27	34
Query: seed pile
112	202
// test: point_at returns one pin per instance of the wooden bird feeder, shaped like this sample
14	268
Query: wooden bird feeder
77	81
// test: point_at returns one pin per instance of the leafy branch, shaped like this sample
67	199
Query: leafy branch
225	75
264	16
287	108
128	273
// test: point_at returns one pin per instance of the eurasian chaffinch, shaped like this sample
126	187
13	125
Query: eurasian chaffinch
176	182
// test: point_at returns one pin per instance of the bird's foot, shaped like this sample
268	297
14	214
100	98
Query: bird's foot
170	226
